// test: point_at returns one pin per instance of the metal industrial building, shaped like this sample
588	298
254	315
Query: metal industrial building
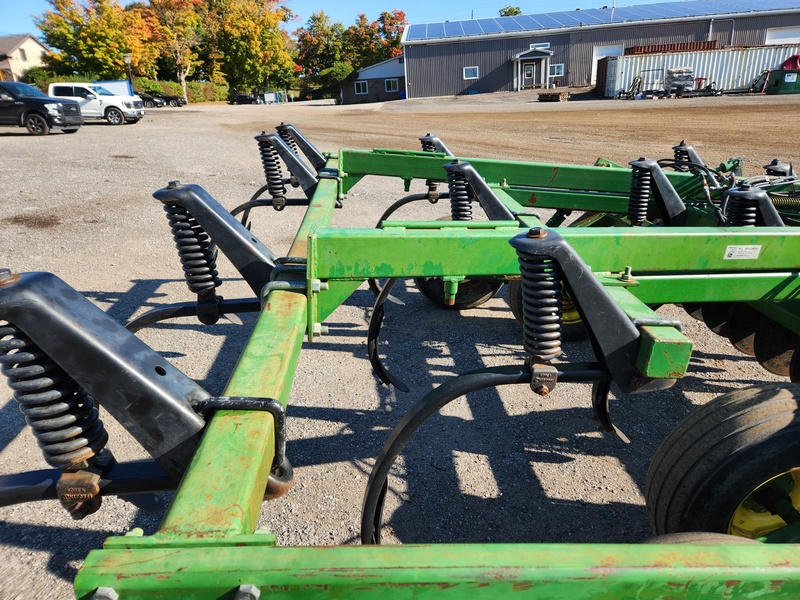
563	48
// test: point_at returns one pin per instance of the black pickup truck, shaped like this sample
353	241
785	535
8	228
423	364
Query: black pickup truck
22	105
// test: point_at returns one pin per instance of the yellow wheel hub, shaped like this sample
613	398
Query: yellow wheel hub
569	314
751	520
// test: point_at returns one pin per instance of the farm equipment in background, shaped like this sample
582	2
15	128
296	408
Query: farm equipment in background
656	231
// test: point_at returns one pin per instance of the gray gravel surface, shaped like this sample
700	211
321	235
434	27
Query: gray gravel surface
501	465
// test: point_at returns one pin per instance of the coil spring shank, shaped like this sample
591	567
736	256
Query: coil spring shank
272	167
61	414
641	182
541	306
460	197
194	250
287	137
427	145
741	212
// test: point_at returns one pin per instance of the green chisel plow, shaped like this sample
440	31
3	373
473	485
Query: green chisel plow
617	242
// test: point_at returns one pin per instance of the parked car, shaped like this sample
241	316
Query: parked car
97	102
168	99
246	99
150	101
22	105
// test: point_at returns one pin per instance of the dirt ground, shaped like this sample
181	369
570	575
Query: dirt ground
499	466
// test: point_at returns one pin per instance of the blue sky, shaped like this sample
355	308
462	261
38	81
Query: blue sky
16	15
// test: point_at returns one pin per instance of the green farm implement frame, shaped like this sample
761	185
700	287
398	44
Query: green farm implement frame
649	233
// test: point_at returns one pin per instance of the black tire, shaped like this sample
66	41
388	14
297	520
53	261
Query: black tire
70	130
149	104
173	103
114	116
471	292
36	124
703	474
572	328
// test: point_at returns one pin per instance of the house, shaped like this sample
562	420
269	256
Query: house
383	81
18	53
563	48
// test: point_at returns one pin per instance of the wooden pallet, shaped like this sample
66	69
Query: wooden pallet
553	96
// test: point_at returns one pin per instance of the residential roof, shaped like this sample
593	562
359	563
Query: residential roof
595	17
9	43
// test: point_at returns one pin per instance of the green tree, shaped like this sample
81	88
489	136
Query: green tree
510	11
248	44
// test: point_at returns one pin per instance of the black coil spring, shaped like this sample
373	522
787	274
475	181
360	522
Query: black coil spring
741	212
194	249
287	137
641	182
62	415
427	145
460	197
272	167
541	306
681	154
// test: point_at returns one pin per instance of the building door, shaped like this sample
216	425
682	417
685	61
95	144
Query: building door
599	52
528	75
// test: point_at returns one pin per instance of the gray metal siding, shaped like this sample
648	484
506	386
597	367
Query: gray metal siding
753	31
583	43
437	69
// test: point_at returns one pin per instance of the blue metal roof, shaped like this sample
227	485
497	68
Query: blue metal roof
590	17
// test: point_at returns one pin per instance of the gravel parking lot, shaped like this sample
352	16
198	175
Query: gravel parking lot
502	465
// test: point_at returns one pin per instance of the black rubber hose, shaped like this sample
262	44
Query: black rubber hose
416	416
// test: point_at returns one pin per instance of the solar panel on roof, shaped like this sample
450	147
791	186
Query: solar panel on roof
509	24
453	29
527	22
489	26
595	16
435	30
417	32
471	28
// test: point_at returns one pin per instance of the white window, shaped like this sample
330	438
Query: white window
470	72
22	56
541	46
556	70
390	85
361	87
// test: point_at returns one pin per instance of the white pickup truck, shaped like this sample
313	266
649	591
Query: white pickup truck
97	102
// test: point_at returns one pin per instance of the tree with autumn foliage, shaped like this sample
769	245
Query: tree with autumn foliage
250	47
95	37
179	31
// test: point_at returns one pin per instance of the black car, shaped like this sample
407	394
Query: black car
168	99
22	105
150	101
246	99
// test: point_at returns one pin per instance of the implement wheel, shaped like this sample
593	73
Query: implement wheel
731	466
471	292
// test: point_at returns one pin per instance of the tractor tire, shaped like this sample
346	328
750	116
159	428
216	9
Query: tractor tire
704	474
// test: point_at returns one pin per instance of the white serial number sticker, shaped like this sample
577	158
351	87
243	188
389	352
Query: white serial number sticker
742	252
